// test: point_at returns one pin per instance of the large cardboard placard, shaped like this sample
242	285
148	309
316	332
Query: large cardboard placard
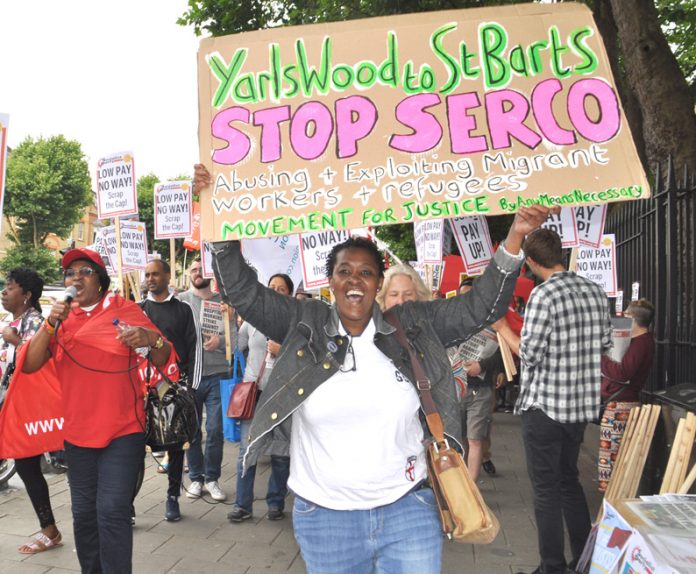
314	251
4	123
598	264
173	209
116	190
431	115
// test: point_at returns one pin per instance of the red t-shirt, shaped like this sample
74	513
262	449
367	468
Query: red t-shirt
99	406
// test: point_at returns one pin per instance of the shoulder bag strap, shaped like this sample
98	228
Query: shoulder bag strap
423	384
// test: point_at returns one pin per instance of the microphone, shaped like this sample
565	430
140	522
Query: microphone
70	294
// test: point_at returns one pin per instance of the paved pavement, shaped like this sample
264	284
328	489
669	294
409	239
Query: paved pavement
205	542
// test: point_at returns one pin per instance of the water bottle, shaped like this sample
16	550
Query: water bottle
122	327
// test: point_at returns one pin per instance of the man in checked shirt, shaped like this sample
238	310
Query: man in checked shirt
566	330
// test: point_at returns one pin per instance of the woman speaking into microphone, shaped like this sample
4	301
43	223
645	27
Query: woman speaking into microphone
93	342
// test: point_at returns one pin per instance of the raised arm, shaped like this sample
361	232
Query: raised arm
268	311
458	318
38	352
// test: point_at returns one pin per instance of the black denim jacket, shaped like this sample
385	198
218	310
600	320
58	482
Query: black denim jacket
313	349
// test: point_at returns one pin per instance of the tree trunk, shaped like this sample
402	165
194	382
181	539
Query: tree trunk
652	71
604	17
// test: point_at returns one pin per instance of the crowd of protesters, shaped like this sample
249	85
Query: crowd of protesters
338	413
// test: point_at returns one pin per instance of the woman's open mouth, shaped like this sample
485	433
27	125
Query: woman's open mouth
355	295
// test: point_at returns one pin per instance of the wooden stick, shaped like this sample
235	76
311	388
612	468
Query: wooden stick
573	264
637	470
172	261
628	461
672	462
506	355
119	267
133	277
687	445
633	448
228	335
625	445
686	485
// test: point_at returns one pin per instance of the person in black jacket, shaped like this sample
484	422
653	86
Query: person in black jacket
176	321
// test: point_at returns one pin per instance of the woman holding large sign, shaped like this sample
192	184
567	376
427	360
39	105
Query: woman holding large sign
357	457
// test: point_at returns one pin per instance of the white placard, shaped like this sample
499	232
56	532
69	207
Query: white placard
589	222
116	191
620	337
635	291
564	224
428	236
207	261
133	245
598	264
271	255
619	303
314	251
106	246
430	274
100	248
212	322
474	242
173	209
4	123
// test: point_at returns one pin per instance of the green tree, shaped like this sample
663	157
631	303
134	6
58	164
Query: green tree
48	187
220	17
678	18
40	259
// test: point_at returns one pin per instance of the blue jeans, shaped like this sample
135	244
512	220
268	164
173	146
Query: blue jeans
277	483
208	394
552	450
102	481
402	537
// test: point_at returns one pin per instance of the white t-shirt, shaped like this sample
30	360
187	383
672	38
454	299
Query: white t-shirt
357	442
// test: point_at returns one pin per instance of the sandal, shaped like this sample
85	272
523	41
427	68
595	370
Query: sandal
41	543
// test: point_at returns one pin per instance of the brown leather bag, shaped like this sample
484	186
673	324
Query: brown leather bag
244	396
243	400
464	515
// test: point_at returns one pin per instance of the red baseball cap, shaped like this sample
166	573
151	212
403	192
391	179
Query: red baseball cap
88	254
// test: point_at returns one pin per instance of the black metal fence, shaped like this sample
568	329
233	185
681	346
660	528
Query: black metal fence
656	240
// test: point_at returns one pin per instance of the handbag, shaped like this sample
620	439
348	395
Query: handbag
464	515
244	396
170	414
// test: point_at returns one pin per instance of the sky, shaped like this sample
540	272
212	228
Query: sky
115	76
